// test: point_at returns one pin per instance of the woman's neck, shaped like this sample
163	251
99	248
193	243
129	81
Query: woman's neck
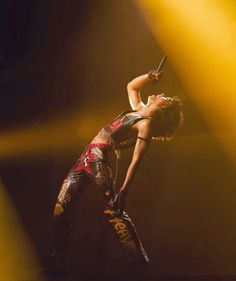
148	111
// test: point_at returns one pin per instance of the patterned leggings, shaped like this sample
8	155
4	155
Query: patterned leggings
95	166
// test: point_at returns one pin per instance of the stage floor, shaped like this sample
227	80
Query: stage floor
146	278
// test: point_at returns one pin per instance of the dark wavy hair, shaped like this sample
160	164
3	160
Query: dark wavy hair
168	120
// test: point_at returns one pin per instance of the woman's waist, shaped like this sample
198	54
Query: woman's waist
96	152
100	145
94	156
116	140
101	139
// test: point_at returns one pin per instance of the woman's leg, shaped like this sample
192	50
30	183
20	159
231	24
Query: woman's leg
136	259
135	256
72	187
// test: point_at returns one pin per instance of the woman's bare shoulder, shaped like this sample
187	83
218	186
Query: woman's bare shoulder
144	126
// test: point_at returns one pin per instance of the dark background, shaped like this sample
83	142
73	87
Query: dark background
65	66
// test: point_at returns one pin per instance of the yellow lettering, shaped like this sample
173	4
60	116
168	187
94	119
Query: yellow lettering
109	211
122	233
119	226
126	238
115	220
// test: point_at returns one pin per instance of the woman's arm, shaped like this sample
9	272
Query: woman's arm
136	85
134	88
139	151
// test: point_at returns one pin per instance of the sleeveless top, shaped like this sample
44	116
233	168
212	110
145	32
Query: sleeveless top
119	133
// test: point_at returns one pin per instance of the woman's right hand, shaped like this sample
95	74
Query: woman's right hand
154	74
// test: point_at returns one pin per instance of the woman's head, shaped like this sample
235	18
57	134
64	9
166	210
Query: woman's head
168	116
158	101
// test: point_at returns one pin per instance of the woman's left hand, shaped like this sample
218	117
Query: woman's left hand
120	200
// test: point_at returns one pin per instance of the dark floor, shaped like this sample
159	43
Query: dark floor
148	278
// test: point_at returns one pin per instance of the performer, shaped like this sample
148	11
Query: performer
158	119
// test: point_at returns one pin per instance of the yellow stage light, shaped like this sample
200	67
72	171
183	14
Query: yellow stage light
199	39
17	261
62	134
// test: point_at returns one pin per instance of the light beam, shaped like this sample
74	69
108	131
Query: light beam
199	39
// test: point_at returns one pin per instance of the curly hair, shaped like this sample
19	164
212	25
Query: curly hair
168	120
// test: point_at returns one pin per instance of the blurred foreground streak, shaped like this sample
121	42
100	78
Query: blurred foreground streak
17	258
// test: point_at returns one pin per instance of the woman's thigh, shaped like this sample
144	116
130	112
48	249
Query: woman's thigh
73	187
103	179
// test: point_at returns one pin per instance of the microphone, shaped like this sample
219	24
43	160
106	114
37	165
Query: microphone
153	72
161	65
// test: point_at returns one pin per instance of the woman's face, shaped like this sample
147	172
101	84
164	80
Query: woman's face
159	100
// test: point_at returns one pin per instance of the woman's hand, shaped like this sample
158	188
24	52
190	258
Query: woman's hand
120	200
154	74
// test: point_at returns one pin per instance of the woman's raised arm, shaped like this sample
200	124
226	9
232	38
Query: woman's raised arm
134	87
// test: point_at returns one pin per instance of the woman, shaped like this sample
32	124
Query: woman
159	119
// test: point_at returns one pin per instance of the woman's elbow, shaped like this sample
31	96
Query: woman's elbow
130	87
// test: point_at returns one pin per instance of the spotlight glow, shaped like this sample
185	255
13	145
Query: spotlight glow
17	259
62	134
199	39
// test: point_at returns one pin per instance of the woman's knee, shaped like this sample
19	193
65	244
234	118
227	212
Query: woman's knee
58	210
